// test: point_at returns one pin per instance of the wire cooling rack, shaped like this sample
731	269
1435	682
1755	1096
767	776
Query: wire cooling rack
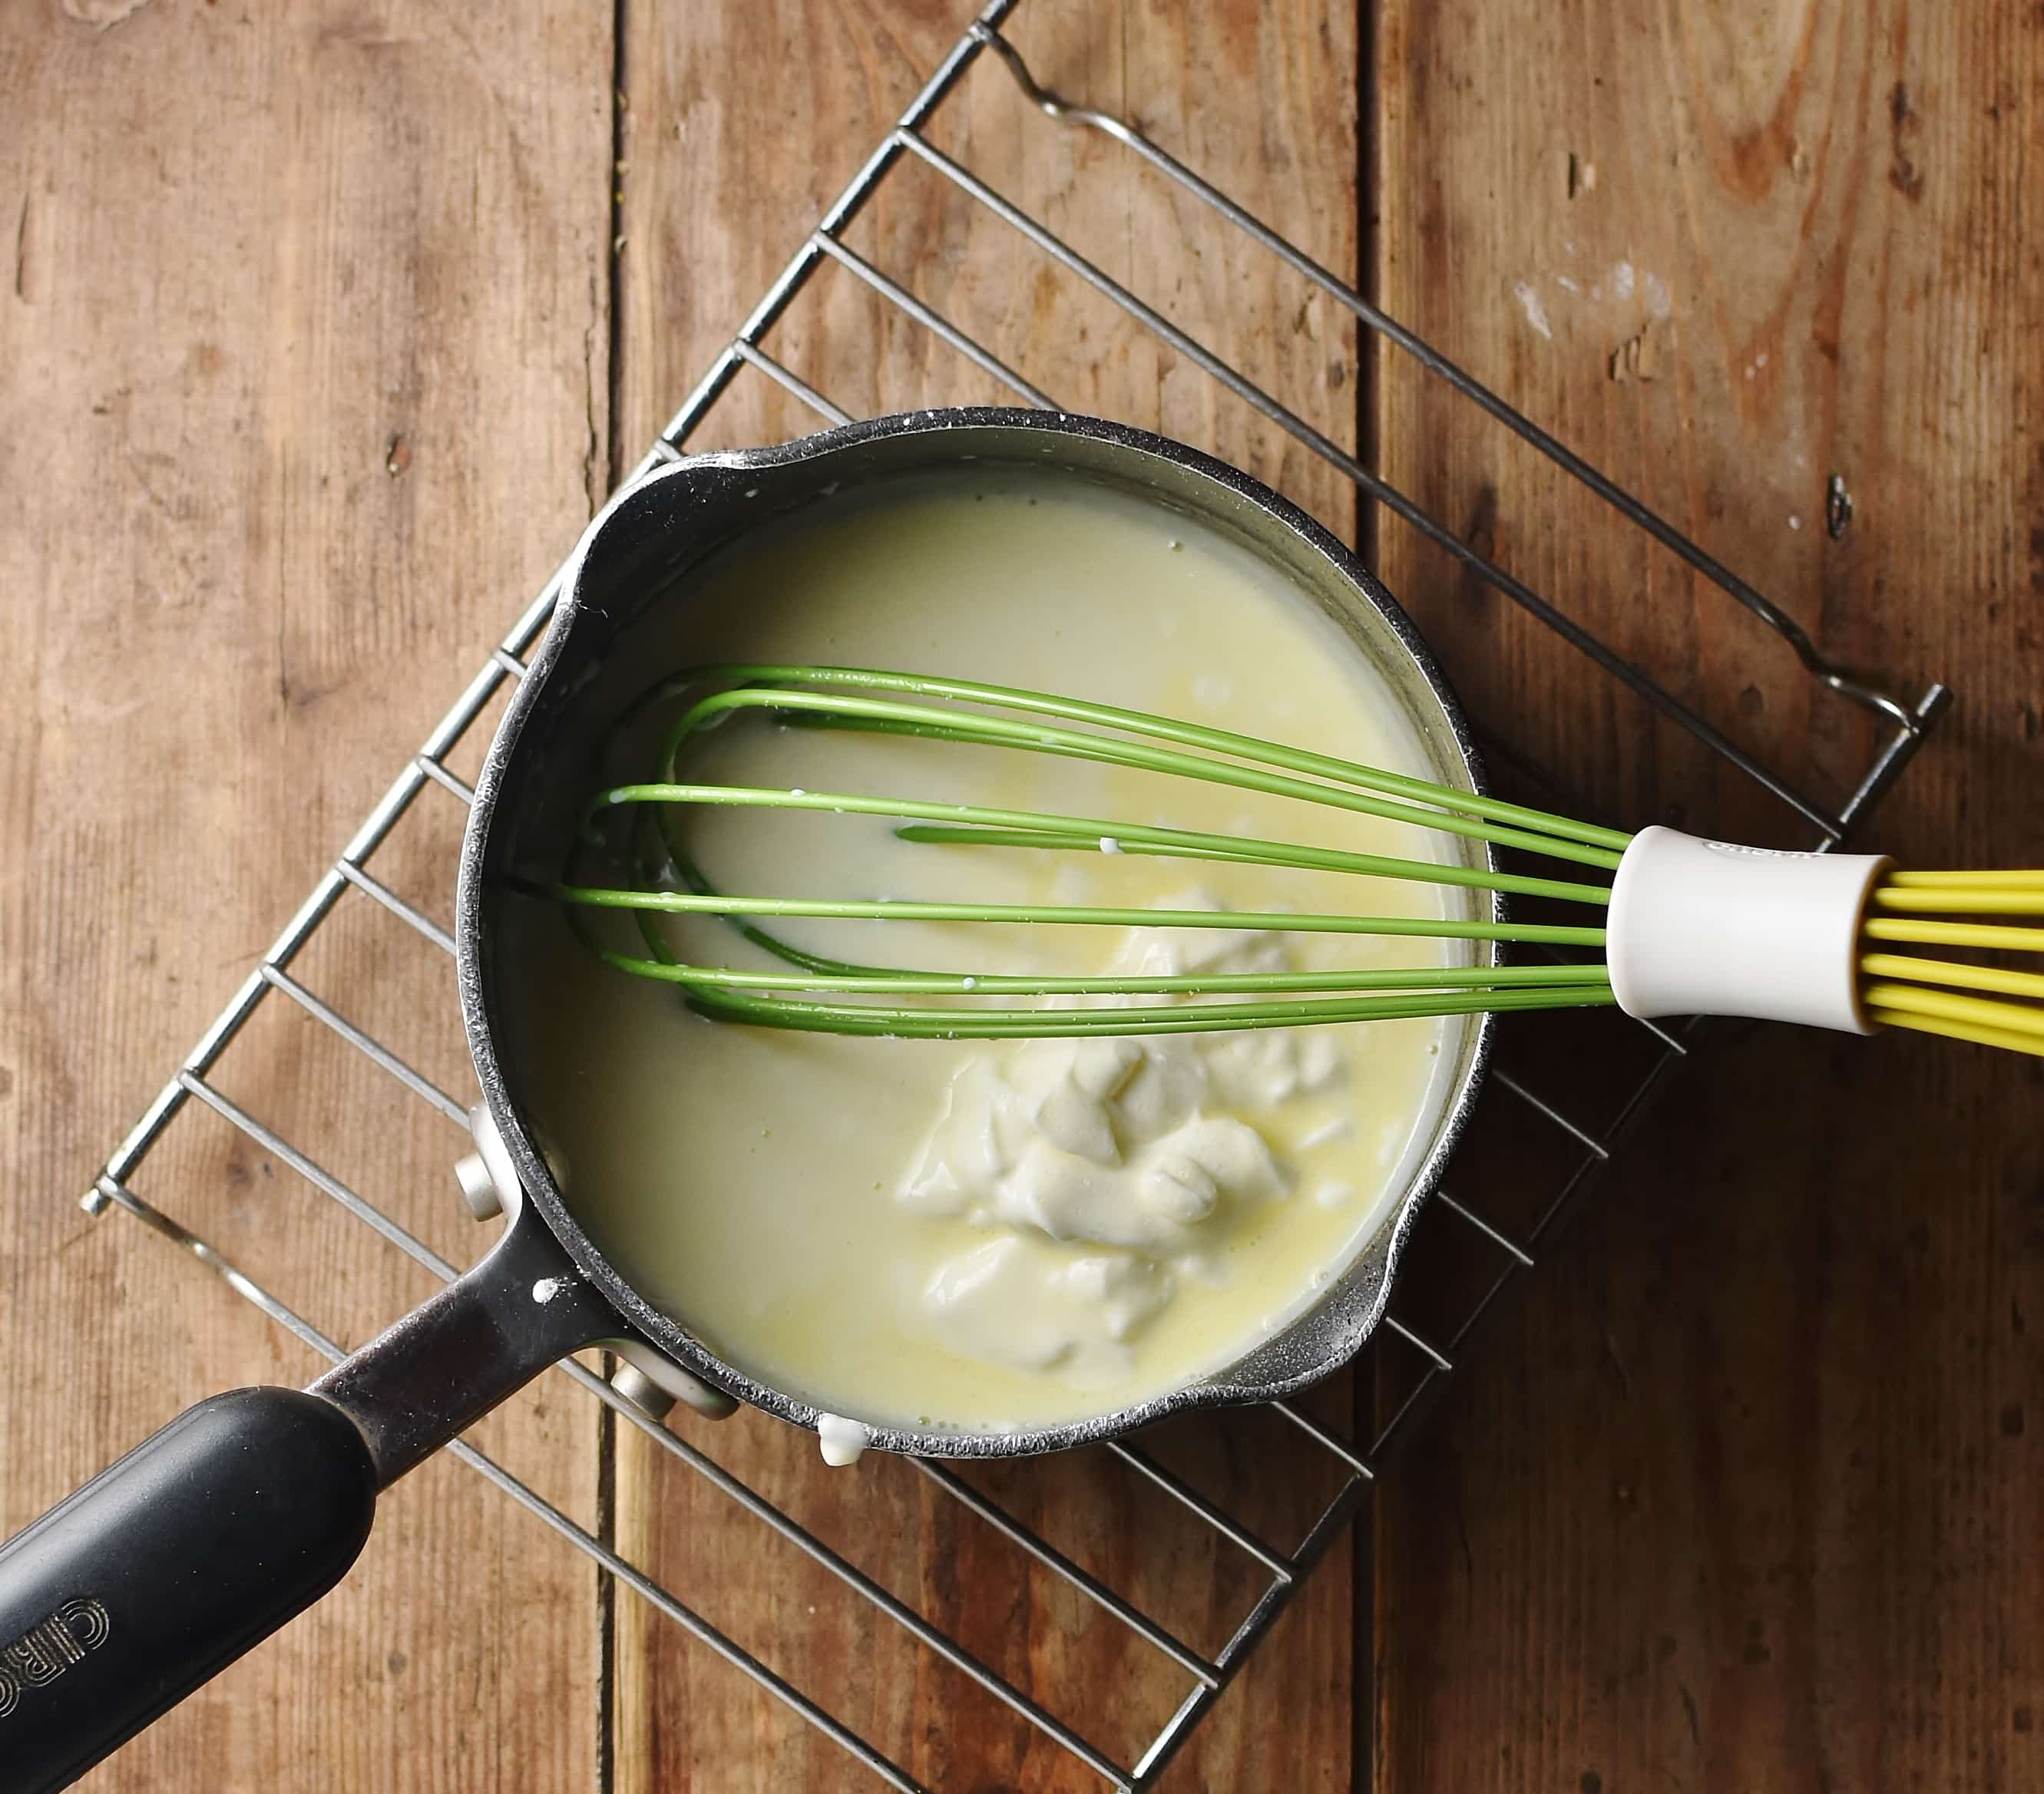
1478	1235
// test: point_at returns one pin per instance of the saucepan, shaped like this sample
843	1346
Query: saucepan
248	1507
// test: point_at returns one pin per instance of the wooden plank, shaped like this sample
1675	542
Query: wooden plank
304	362
1745	1494
744	125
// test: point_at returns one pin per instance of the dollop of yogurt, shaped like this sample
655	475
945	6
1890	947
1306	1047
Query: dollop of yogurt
1017	1301
1105	1169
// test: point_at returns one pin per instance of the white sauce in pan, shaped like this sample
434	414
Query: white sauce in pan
995	1236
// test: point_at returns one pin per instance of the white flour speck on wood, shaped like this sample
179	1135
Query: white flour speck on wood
1529	303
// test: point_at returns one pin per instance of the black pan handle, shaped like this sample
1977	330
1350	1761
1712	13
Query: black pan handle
243	1512
166	1567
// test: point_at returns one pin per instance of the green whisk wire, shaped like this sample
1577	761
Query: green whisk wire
836	697
973	823
1452	812
1032	1024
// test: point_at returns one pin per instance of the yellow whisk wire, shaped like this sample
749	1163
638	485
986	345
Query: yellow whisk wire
1930	996
2010	879
1955	973
1984	900
1985	935
2007	1038
1987	1012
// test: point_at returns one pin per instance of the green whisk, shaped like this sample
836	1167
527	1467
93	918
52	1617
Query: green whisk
1675	926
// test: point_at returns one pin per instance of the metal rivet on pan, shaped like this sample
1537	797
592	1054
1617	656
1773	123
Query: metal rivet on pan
641	1391
653	1383
712	1404
479	1189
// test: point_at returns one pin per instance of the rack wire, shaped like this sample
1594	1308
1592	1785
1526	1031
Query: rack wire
1477	1237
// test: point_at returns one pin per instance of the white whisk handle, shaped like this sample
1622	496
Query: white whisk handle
1705	928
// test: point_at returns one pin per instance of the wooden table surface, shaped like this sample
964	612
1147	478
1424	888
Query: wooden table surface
325	326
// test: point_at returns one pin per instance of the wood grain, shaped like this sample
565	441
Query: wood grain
1264	97
1745	1496
303	359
